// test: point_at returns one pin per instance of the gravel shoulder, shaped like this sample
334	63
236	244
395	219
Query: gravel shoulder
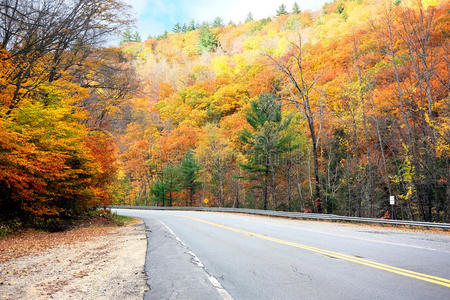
109	266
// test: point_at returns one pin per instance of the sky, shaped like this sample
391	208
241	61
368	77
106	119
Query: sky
155	16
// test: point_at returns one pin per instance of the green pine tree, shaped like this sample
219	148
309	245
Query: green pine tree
171	179
162	36
128	36
192	25
177	28
249	17
163	189
217	22
266	142
158	192
281	10
136	37
296	9
189	174
207	41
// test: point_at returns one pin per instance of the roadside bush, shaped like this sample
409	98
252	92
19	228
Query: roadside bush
12	226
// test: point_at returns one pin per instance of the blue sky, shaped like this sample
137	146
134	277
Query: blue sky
155	16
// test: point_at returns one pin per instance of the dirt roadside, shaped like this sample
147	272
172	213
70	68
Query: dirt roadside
108	266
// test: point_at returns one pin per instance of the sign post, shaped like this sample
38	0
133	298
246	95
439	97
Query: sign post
392	203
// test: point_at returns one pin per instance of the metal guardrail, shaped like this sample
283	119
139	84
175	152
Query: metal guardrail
295	215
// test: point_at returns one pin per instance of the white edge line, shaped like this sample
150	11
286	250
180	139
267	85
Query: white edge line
219	288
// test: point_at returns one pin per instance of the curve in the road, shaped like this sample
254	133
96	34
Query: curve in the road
369	263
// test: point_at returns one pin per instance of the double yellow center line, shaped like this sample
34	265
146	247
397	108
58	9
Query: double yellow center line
433	279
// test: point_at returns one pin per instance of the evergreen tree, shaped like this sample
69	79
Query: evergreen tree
207	41
184	28
136	37
158	192
177	28
296	9
249	17
281	10
163	36
189	169
168	184
171	177
266	142
192	25
128	36
217	22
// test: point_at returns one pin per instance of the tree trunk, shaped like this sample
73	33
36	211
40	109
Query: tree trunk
316	176
237	194
191	195
289	189
266	183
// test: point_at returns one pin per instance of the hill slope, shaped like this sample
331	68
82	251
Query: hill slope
365	84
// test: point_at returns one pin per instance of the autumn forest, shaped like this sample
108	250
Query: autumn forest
328	111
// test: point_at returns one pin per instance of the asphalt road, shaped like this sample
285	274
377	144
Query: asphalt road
206	255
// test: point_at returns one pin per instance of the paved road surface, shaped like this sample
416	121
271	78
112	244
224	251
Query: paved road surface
206	255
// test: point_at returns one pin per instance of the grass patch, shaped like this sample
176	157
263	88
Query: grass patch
122	220
110	218
10	227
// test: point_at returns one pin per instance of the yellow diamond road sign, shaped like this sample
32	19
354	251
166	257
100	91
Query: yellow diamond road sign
206	200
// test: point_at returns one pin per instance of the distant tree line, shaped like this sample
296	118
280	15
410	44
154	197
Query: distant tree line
218	21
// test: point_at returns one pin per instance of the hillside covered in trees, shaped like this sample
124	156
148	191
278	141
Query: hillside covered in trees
324	111
332	111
